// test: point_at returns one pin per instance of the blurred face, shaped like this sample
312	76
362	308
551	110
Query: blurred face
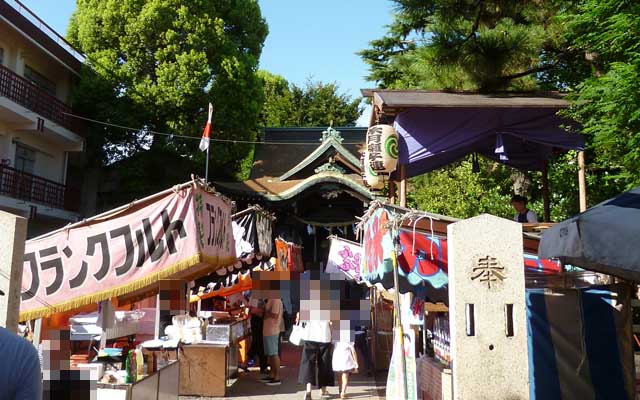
519	206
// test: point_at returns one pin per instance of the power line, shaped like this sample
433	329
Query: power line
173	135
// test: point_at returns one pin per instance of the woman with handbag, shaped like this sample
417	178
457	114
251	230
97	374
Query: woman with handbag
315	365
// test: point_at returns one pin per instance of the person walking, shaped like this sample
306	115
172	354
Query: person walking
315	365
273	324
344	362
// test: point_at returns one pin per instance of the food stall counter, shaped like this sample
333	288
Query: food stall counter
160	385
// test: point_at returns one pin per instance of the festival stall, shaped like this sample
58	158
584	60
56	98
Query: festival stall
602	239
118	259
433	130
218	298
564	311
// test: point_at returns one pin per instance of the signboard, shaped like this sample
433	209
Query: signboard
378	245
126	251
344	256
397	374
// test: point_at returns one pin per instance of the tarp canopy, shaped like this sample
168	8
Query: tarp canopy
603	239
422	260
181	233
522	137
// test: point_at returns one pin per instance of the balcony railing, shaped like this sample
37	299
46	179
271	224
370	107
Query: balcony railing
25	93
29	187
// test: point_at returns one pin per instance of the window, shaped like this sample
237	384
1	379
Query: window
25	159
40	80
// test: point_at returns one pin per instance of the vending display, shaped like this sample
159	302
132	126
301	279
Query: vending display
440	339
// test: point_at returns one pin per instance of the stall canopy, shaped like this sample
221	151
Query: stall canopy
421	244
603	239
437	128
253	236
181	233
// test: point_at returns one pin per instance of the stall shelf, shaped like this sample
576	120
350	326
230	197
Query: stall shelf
207	367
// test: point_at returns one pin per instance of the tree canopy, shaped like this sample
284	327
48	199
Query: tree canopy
156	64
607	102
588	48
314	104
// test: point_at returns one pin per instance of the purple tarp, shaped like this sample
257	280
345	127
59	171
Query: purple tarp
523	138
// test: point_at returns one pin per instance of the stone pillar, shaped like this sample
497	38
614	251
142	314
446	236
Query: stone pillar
487	309
13	233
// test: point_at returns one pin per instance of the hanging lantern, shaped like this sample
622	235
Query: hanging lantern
382	145
371	178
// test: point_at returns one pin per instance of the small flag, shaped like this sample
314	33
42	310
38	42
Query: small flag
204	142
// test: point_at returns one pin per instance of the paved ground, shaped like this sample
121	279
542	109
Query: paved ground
248	387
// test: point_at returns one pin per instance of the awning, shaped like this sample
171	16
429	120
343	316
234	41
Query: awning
435	129
603	239
422	260
181	233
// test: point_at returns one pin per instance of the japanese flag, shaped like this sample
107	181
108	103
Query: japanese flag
204	142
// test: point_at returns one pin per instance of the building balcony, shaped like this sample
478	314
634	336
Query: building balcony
35	189
28	95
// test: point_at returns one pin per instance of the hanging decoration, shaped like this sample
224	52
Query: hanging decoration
382	146
371	179
288	256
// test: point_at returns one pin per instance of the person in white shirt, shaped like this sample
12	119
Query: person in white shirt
315	365
344	360
524	215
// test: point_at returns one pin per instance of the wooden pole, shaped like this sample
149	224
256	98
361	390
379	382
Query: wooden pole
582	182
392	192
545	191
403	186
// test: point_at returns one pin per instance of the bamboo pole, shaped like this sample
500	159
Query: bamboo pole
582	183
398	319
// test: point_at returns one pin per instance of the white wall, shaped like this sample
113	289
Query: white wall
19	51
50	158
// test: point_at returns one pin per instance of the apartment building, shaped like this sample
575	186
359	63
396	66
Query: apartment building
37	136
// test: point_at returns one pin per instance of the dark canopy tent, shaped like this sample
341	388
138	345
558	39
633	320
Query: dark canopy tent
603	239
524	138
437	128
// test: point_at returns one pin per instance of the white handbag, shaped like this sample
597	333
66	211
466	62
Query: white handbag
296	337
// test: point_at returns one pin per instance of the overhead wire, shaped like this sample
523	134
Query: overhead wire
174	135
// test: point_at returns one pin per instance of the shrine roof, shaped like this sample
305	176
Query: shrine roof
284	149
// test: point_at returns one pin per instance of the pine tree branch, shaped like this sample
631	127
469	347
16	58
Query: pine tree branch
527	72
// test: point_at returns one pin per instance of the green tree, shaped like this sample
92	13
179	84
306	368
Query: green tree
461	44
487	46
607	102
315	104
156	64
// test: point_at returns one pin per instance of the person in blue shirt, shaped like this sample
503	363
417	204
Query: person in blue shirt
20	376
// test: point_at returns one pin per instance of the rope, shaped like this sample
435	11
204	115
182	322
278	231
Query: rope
173	135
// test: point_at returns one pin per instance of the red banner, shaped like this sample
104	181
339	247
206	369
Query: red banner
173	235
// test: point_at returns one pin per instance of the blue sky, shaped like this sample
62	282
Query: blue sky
307	39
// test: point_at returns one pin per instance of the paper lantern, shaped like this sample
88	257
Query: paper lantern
371	178
382	145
